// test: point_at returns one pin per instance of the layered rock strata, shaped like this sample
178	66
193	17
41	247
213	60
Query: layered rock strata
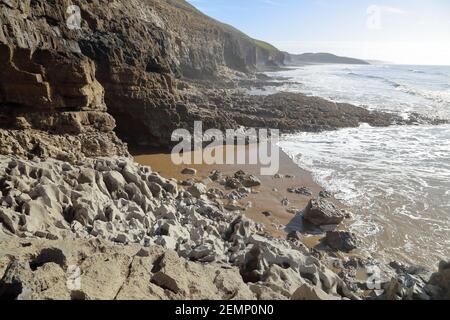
128	53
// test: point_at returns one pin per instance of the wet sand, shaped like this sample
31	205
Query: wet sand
268	197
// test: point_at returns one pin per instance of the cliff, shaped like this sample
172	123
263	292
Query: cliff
126	55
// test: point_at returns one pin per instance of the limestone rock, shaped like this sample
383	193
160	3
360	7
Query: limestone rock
197	190
114	181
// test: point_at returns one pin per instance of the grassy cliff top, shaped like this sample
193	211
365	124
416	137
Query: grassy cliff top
186	6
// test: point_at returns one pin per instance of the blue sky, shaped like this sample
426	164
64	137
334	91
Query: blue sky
400	31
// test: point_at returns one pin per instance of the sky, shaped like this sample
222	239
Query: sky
397	31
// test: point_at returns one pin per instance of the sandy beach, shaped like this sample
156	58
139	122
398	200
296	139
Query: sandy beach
266	198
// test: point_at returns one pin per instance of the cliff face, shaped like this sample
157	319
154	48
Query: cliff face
127	56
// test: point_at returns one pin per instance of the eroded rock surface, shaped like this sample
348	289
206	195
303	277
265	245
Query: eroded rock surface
136	243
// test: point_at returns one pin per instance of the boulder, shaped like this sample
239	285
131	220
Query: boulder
155	189
341	241
166	211
247	180
321	212
114	181
233	183
197	190
171	187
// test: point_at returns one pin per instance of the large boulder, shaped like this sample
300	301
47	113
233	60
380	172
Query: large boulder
321	212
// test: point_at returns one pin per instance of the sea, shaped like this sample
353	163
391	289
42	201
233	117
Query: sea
395	180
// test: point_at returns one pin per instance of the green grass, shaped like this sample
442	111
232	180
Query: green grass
262	44
266	46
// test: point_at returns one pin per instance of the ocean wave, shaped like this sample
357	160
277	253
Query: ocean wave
435	96
395	180
417	71
372	77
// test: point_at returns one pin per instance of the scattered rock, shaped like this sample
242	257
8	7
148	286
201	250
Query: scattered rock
267	214
215	175
189	171
247	180
302	191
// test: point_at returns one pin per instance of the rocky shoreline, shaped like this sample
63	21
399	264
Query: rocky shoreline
80	220
136	235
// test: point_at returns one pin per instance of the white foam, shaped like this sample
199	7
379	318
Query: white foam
376	87
397	178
